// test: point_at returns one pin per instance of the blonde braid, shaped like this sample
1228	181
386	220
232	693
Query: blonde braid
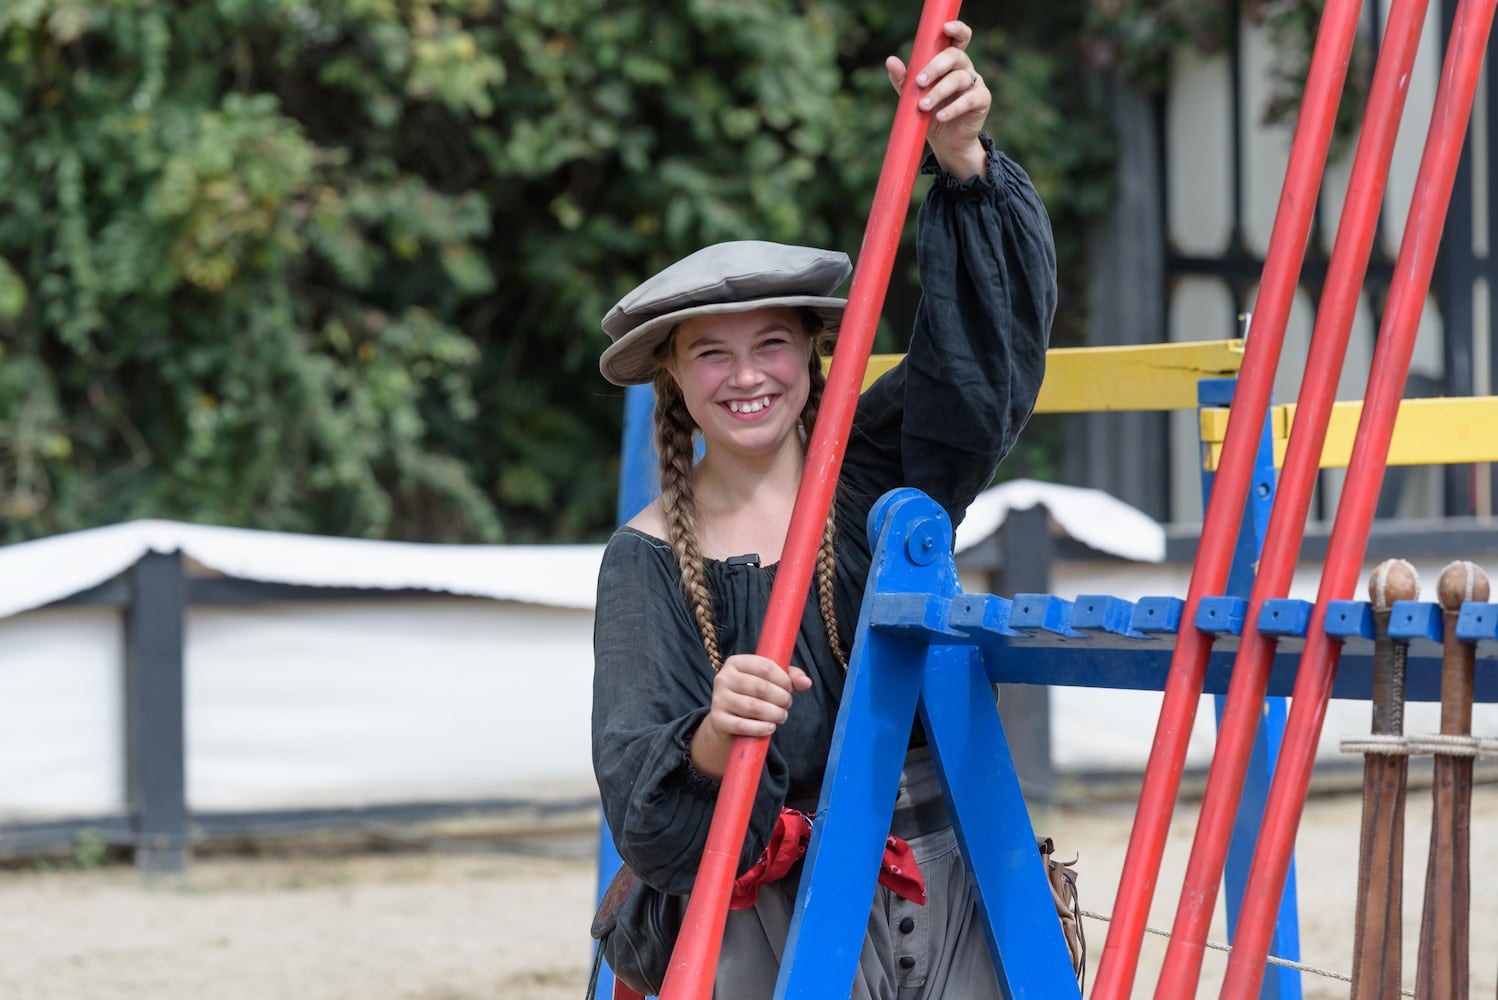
673	442
826	559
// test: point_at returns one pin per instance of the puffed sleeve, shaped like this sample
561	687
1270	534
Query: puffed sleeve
943	419
652	683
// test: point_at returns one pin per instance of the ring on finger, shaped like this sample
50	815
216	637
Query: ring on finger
974	81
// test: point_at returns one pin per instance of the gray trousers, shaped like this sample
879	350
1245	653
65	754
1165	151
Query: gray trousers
910	952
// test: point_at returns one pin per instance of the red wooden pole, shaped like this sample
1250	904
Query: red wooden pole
1181	969
1183	685
694	961
1365	471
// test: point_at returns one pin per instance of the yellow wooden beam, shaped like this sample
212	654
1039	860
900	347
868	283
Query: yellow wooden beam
1444	431
1165	376
1139	377
1214	423
878	365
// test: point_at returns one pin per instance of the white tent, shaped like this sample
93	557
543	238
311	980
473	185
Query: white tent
481	689
466	676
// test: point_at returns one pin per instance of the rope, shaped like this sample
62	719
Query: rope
1438	744
1447	745
1314	970
1388	746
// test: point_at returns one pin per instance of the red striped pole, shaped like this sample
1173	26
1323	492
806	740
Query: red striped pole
1181	969
1365	471
1183	685
694	961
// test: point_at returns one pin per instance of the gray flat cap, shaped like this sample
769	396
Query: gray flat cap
723	278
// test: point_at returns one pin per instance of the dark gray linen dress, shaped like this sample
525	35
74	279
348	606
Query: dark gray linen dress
940	421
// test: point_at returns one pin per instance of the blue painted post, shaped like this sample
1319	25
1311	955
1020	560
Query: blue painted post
637	465
994	831
1281	983
637	487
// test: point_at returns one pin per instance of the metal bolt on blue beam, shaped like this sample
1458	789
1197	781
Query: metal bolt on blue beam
1283	616
1158	614
1349	620
1477	621
1415	620
928	541
1221	615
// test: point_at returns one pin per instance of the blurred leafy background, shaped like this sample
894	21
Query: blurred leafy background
338	267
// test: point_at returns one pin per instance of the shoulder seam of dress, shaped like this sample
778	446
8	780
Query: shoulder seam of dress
625	531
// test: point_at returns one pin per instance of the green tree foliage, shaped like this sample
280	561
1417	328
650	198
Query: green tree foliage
230	302
339	267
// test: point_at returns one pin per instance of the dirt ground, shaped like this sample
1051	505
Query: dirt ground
506	917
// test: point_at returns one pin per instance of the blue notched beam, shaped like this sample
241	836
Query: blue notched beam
1037	641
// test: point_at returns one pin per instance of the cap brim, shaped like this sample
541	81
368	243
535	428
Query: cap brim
630	360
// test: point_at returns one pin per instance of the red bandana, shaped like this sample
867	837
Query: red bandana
898	871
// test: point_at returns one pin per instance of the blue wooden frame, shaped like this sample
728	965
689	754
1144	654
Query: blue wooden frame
922	644
966	642
1280	982
908	657
637	487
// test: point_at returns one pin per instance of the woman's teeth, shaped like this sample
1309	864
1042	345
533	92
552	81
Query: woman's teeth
748	405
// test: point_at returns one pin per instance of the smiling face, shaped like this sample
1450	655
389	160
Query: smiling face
744	377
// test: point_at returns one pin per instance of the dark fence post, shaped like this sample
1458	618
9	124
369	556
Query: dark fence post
1126	295
154	715
1025	709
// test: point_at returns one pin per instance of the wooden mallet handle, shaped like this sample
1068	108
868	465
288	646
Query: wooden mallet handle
1443	968
1377	932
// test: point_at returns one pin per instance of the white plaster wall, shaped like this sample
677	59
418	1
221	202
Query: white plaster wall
1199	204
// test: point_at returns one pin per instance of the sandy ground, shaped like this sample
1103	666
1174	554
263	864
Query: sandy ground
507	917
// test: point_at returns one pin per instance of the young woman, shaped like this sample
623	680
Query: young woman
730	338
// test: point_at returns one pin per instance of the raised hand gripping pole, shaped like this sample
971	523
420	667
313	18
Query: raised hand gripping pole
694	961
